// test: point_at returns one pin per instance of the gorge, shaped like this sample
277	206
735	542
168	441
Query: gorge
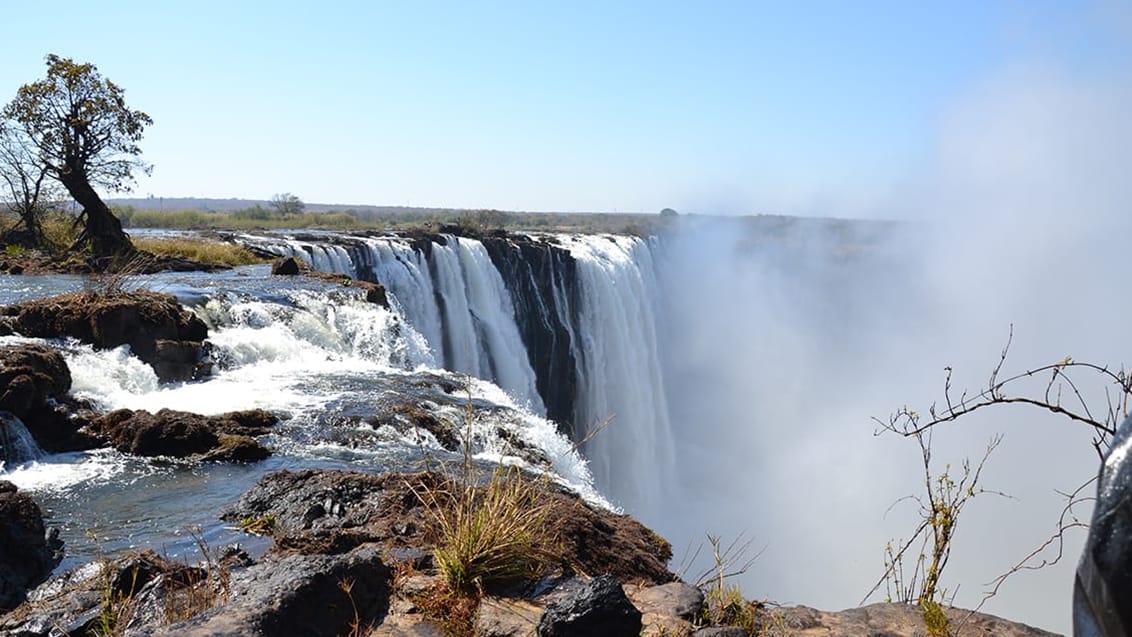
721	377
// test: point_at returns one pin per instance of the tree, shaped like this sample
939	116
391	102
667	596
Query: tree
83	135
287	204
26	189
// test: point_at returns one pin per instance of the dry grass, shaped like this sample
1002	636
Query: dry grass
453	610
193	589
491	535
204	251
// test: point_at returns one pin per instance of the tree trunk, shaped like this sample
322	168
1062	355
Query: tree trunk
103	232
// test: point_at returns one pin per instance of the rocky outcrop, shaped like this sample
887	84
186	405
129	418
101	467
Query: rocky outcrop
30	377
157	329
180	434
891	620
316	595
27	552
352	555
333	511
34	381
532	269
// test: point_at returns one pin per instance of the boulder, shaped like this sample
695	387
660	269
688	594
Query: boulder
157	329
34	381
286	266
27	552
677	599
891	620
315	595
598	607
30	376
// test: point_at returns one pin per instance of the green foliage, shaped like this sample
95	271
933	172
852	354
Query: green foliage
256	217
494	535
263	525
724	604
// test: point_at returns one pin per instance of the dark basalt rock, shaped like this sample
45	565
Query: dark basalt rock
30	376
27	552
374	292
157	329
334	511
315	595
34	381
532	269
182	434
598	607
286	266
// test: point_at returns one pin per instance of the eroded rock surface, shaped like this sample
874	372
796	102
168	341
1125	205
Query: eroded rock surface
182	434
157	329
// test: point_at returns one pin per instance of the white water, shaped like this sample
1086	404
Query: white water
16	443
619	371
457	303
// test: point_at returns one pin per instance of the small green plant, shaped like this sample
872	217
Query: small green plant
724	604
939	515
262	525
14	250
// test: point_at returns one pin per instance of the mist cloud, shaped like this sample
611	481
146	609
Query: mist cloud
778	357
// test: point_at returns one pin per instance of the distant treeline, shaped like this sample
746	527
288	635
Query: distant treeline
269	217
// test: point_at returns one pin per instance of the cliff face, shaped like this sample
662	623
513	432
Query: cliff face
542	281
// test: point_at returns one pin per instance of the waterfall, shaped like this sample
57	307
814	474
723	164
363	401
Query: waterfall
448	289
16	443
566	324
619	370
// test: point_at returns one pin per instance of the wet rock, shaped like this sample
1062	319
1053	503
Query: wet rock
182	434
598	607
286	266
166	433
34	381
140	319
30	376
27	552
231	448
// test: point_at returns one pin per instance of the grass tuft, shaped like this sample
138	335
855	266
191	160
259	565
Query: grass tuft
494	535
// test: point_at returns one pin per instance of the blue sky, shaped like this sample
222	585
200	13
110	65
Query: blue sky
714	107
